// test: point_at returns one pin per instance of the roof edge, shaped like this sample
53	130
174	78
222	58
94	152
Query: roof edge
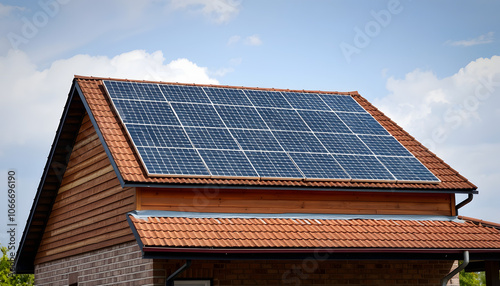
19	266
330	189
99	133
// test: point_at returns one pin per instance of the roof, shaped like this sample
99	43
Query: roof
178	232
130	170
88	96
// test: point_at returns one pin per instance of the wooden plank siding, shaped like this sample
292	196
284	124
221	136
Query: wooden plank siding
90	207
273	201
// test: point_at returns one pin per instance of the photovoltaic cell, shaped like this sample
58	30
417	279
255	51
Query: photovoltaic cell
310	101
320	121
183	130
362	123
264	98
256	140
197	115
146	112
299	142
147	91
343	144
282	119
364	167
273	165
158	136
121	90
240	117
134	90
211	138
385	145
224	163
342	103
184	93
408	169
227	96
319	166
170	161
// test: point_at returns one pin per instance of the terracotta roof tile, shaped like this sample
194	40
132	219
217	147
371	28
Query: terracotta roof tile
317	233
131	170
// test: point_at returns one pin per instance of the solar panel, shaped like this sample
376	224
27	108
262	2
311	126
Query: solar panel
362	123
299	142
226	164
184	93
320	121
309	101
342	103
264	98
227	96
195	131
158	136
364	168
282	119
197	115
274	165
256	140
319	166
172	161
385	145
211	138
240	117
408	169
146	112
343	144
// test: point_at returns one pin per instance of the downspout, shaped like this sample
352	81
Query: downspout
464	202
170	279
445	280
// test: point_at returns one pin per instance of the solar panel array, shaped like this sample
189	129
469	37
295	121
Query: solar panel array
200	131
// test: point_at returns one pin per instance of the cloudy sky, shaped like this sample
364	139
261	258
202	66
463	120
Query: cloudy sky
433	67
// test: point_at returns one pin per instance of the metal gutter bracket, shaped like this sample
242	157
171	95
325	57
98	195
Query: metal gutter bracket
445	280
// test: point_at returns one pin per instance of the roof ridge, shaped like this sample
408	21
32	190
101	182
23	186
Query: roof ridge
350	93
480	221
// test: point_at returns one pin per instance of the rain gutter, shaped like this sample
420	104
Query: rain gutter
445	280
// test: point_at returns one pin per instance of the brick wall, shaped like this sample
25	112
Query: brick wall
117	265
310	272
123	265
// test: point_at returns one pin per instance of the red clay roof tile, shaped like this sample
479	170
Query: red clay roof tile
316	233
131	169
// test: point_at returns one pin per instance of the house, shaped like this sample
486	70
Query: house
152	183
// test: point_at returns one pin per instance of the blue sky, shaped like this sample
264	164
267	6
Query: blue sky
432	66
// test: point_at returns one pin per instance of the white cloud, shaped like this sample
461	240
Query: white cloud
457	118
253	40
33	99
218	11
483	39
6	10
233	40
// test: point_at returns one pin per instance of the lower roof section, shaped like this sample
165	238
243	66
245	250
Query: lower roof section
292	236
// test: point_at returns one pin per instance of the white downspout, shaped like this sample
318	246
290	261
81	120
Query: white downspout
445	280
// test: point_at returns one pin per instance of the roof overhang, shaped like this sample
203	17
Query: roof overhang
55	167
317	254
184	235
